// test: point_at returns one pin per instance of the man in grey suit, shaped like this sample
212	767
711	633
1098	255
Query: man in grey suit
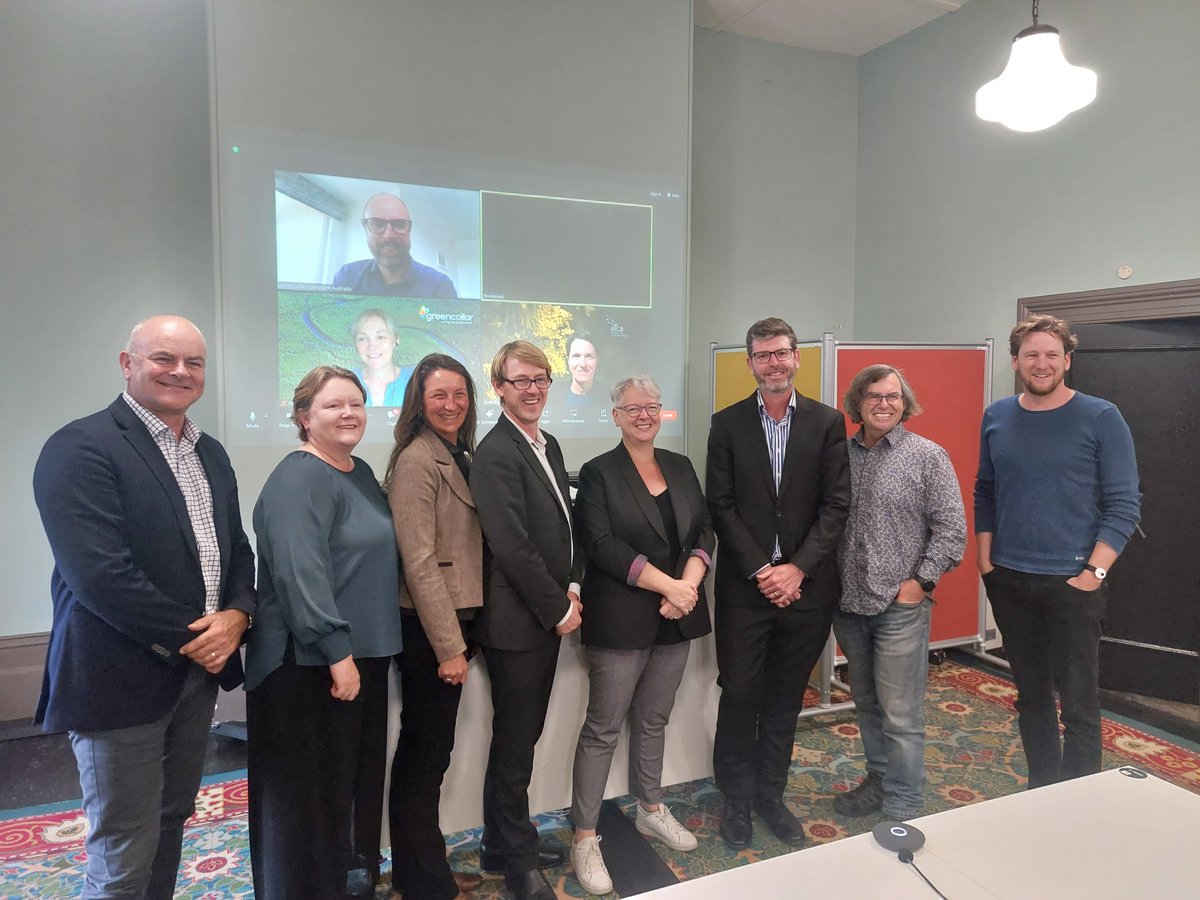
531	591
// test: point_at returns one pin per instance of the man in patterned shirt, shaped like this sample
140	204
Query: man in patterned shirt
153	587
906	529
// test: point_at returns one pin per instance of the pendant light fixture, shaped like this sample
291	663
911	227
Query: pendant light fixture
1038	88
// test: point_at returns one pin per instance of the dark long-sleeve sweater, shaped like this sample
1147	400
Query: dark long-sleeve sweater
329	570
1053	482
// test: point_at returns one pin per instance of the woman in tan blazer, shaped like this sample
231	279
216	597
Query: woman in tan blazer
441	553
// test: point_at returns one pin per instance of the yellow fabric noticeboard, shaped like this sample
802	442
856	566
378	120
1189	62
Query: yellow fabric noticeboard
732	380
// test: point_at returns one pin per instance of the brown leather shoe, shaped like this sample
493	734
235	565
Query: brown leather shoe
467	881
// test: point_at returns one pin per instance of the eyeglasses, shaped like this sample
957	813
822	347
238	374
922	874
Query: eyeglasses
891	398
379	226
523	383
762	357
635	410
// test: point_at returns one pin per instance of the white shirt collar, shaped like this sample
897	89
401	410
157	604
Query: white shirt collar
537	443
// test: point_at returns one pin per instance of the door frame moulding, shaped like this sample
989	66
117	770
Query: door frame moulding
1165	300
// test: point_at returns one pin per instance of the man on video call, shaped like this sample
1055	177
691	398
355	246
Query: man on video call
391	272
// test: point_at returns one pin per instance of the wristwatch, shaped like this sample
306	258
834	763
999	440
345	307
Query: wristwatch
1100	573
928	585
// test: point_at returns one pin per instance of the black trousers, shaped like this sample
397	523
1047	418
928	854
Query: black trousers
315	767
521	684
764	656
1052	638
419	867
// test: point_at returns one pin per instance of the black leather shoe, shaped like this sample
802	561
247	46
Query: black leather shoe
548	857
531	885
736	829
783	824
866	798
360	883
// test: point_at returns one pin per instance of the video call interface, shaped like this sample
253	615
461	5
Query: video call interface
373	275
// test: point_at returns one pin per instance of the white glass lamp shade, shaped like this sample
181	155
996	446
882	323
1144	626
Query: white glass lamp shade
1038	87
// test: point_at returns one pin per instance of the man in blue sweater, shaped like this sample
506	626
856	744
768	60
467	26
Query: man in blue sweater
1056	500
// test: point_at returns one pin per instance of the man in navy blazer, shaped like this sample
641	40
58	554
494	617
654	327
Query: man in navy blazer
531	599
153	587
778	490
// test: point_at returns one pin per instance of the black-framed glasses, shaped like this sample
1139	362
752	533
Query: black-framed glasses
762	357
890	399
379	226
522	384
636	409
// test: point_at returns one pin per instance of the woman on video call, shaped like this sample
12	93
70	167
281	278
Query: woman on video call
376	336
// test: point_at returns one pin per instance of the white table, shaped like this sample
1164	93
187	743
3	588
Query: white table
1104	836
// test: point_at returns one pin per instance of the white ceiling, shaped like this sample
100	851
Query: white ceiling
840	26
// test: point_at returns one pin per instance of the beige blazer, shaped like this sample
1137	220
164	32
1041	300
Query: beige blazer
441	546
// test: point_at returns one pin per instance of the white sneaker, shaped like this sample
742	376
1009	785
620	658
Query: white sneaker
664	826
589	866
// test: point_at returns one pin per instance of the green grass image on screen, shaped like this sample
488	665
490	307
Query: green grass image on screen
314	330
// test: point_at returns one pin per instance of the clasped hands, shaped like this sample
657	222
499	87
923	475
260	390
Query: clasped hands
575	619
679	599
780	584
220	635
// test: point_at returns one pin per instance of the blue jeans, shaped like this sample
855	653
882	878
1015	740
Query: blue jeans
139	787
888	659
1052	638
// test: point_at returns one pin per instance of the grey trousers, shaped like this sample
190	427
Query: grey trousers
642	685
139	787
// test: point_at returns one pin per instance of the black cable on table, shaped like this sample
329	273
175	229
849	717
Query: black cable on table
906	856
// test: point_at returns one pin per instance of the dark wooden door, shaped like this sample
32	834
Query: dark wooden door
1151	371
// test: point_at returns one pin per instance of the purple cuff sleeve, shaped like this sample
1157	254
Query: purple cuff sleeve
704	556
635	570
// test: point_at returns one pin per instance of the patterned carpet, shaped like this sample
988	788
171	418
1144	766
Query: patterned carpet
972	753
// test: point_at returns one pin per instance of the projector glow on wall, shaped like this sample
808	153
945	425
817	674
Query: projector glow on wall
1038	88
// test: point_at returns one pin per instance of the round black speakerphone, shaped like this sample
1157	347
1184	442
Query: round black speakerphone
897	837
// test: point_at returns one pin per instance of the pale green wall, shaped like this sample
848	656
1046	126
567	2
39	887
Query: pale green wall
773	168
957	218
105	218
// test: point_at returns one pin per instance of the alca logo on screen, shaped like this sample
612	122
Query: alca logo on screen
428	315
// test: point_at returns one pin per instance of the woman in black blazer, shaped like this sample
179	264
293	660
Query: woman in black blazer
644	526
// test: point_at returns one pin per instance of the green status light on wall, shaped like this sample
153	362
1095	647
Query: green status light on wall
236	149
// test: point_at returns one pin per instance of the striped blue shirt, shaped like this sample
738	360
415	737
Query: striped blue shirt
776	434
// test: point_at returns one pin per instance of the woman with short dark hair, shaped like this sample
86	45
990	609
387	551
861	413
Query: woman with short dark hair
318	655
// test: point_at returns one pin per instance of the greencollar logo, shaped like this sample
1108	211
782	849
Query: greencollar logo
461	318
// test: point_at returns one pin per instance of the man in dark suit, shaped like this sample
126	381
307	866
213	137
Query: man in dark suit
522	495
153	587
779	492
